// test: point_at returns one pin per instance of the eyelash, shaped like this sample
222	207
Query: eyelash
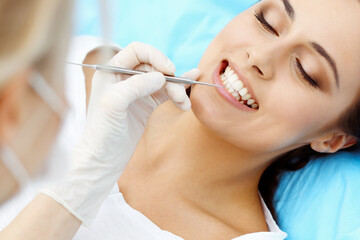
305	76
259	15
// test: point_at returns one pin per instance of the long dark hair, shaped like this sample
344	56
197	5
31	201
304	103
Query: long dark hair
349	122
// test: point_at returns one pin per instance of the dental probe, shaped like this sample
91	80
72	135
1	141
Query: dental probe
111	69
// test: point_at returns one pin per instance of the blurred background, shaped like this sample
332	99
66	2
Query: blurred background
180	29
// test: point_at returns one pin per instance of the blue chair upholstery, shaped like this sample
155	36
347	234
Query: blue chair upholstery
321	201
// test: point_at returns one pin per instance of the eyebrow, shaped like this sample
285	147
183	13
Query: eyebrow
289	9
329	59
317	47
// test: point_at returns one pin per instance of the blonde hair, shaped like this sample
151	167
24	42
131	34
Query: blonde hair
33	33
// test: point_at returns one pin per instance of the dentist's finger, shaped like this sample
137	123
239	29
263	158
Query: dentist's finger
123	93
145	67
177	92
192	74
137	53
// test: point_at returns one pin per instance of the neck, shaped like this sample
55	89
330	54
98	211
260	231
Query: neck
196	159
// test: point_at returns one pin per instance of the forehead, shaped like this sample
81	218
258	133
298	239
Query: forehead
334	24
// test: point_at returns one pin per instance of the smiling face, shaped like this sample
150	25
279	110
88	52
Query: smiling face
298	61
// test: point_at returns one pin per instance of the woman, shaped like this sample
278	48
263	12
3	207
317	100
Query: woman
33	40
196	174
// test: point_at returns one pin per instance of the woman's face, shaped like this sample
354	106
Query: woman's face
298	59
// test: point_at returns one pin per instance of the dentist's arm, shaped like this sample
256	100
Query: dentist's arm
43	218
118	112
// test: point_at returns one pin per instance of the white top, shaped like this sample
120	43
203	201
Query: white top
118	220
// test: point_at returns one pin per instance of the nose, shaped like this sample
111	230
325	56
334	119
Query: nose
262	60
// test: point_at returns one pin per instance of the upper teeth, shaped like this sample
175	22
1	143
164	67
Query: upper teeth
237	88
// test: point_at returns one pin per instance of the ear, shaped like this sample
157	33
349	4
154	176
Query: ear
333	142
11	96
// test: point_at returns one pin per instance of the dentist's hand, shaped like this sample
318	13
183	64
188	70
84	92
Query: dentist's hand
118	112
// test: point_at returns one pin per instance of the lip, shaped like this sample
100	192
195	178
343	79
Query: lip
225	94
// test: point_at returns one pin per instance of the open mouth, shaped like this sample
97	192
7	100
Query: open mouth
235	86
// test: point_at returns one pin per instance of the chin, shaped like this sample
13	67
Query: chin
205	107
218	119
198	99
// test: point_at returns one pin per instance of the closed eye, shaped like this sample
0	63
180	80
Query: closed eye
259	15
305	76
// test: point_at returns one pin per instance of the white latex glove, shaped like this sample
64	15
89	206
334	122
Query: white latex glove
118	113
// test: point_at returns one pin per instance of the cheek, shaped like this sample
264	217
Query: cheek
239	32
203	105
242	31
294	115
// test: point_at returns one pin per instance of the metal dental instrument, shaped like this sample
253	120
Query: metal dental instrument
111	69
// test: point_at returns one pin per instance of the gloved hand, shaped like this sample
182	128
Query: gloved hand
117	115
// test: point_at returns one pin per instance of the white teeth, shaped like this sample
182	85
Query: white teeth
236	94
250	102
230	72
243	92
246	97
238	85
233	79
